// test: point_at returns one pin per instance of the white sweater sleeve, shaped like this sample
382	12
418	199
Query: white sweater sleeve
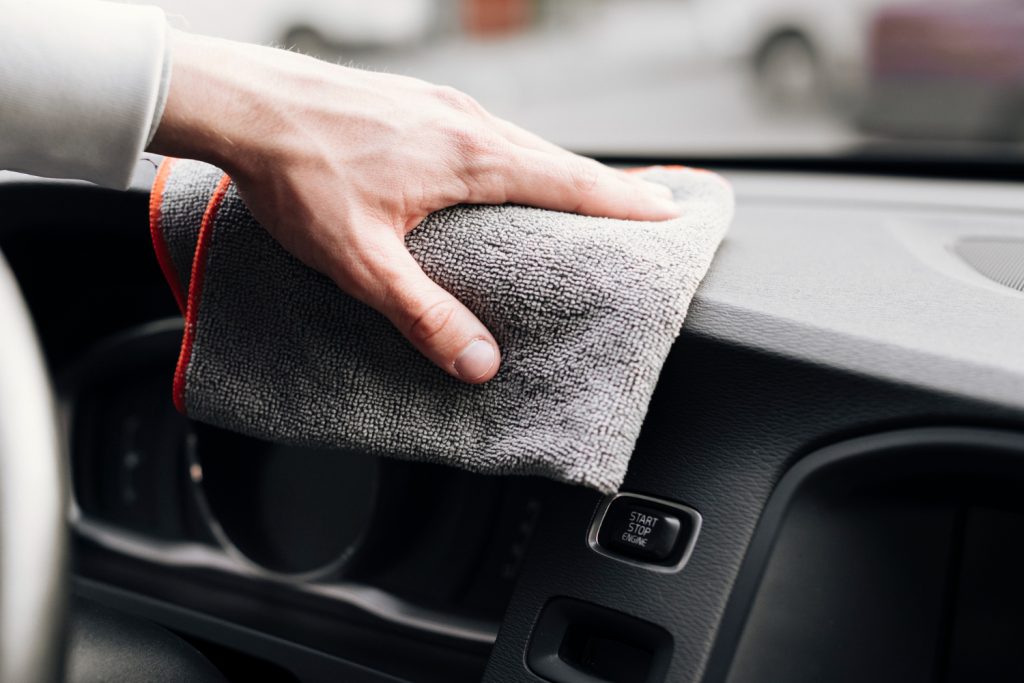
82	86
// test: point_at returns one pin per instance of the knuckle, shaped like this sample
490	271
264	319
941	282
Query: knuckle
467	141
457	100
584	175
477	152
432	321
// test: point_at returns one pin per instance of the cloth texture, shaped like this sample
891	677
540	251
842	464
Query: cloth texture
82	87
585	311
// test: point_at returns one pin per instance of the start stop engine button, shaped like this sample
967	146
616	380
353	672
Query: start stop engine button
638	531
644	530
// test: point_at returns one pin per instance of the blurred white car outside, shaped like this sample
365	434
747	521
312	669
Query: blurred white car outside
339	23
801	52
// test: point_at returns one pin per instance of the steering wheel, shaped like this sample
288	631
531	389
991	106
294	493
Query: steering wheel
33	502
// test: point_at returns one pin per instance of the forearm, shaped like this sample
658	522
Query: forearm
215	107
250	109
80	87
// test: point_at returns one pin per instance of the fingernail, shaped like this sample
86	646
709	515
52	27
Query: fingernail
475	360
669	207
659	190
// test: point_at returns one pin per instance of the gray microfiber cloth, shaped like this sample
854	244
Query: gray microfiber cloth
585	311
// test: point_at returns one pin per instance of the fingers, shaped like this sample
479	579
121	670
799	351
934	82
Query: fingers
642	190
437	324
567	182
525	138
502	162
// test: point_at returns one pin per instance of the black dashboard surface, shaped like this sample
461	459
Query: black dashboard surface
835	308
838	308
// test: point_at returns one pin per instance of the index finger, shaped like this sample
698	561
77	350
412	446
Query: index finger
567	182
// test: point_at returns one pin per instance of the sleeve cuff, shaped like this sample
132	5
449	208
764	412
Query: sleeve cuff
83	84
162	90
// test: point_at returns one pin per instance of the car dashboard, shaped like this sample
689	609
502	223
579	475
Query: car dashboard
839	426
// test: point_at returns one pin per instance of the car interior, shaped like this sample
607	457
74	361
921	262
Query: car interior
835	447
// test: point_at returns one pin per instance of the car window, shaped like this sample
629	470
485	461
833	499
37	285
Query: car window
676	77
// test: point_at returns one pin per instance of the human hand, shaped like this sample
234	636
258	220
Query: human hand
340	164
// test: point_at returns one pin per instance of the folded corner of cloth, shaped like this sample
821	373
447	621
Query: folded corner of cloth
585	310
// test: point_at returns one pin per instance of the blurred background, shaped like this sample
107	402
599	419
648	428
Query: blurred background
685	77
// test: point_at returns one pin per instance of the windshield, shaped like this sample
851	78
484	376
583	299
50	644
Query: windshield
684	77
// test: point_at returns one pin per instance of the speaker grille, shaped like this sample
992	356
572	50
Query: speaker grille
1000	260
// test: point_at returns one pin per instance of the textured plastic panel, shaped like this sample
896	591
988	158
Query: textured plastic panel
871	284
835	308
1001	261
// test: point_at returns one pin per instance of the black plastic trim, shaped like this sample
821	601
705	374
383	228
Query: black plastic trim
561	615
942	439
310	666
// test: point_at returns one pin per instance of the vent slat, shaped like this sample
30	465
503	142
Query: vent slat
1000	260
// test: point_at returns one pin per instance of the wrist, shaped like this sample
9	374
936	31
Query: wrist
217	107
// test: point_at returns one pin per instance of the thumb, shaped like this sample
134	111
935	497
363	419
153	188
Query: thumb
436	323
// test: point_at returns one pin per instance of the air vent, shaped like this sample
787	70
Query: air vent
1000	260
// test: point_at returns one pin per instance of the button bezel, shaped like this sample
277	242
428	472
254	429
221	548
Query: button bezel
602	511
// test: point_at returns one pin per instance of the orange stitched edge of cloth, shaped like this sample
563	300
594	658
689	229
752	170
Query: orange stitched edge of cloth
676	167
156	233
195	290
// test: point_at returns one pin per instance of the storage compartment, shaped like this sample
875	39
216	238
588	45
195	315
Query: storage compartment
580	642
904	566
